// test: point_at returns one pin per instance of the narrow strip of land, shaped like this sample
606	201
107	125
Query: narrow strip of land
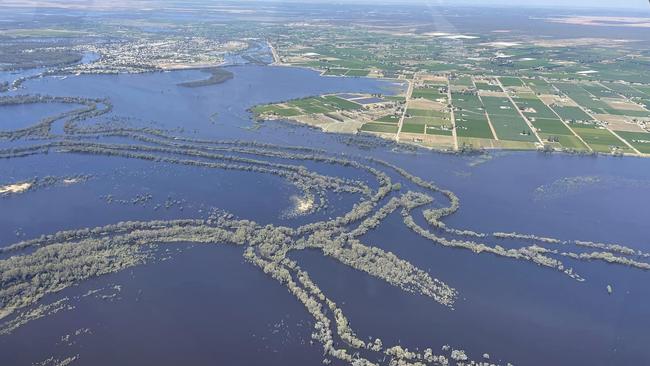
452	116
274	53
407	99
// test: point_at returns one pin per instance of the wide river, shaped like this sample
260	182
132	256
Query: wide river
206	305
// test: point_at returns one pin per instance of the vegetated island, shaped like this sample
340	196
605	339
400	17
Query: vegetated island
217	76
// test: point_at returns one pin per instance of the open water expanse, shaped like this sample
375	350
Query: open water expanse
201	305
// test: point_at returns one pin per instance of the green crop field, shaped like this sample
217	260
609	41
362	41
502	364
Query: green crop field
395	98
507	122
625	90
488	87
261	109
379	127
571	142
599	139
417	120
287	112
539	86
341	103
551	127
273	109
336	72
473	126
572	114
389	119
645	89
467	102
441	122
599	91
629	113
438	131
413	128
430	93
640	140
357	73
311	105
425	113
462	81
536	108
512	128
510	81
470	117
583	97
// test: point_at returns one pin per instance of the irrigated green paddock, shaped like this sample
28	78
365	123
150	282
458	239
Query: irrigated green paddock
279	111
462	81
599	90
310	105
431	93
389	119
539	86
438	131
570	142
341	103
551	126
425	113
357	73
534	107
379	127
572	114
640	140
583	97
467	103
323	105
335	72
488	87
599	139
624	89
507	122
473	126
413	128
510	81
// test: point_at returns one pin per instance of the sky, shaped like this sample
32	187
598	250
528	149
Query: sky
614	4
618	4
641	4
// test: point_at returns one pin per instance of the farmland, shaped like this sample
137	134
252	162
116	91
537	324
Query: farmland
486	91
452	112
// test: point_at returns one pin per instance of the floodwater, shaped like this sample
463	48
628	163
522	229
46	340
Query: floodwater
205	305
20	116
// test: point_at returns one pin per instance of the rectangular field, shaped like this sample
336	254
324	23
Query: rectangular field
599	139
507	122
640	140
471	120
572	114
431	93
507	81
379	127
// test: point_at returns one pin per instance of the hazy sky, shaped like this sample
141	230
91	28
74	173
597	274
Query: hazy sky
577	3
641	5
620	4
